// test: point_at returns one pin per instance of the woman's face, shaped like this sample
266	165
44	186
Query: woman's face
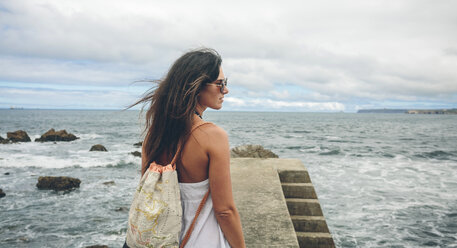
211	95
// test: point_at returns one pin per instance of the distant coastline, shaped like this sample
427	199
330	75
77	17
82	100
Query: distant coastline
12	107
409	111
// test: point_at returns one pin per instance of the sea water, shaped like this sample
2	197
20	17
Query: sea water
383	180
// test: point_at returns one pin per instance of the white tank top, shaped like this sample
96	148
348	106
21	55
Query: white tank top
207	232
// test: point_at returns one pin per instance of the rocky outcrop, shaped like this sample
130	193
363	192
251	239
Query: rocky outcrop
433	111
251	151
98	148
122	209
58	183
139	144
2	194
4	141
52	135
410	111
136	153
18	136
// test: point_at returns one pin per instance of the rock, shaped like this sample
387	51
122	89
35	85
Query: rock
97	246
122	209
58	183
52	135
109	183
251	151
2	194
7	173
136	153
4	141
139	144
24	239
18	136
98	148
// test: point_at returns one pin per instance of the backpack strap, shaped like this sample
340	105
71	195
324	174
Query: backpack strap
191	227
173	161
202	203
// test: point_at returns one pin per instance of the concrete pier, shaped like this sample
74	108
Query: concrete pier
278	204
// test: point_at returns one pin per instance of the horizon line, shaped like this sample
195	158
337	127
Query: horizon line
210	110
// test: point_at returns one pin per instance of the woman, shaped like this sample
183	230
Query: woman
194	83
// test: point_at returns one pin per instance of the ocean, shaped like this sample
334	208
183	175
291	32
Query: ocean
383	180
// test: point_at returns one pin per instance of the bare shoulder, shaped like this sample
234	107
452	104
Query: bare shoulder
211	132
214	130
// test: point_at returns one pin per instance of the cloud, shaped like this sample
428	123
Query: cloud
452	51
67	98
35	70
349	52
269	105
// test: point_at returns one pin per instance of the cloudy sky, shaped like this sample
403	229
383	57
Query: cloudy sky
308	56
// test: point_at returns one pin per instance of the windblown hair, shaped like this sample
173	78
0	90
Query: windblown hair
172	102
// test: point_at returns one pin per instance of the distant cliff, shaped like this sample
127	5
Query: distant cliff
409	111
433	111
382	111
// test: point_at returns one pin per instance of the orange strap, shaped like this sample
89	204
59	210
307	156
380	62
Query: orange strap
202	203
191	227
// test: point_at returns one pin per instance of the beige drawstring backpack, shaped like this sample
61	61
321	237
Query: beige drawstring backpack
156	211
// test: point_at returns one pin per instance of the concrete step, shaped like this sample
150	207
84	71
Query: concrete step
309	223
294	176
315	240
304	207
299	190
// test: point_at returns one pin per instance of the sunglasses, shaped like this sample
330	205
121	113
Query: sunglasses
222	83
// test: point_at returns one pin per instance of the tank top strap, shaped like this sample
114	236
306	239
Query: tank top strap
173	161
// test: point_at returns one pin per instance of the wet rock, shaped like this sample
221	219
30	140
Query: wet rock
122	209
18	136
98	148
4	141
52	135
139	144
251	151
97	246
58	183
24	239
109	183
2	194
136	153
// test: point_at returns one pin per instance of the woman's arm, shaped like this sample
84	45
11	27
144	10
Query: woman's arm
221	187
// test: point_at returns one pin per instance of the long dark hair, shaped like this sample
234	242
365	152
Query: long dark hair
172	102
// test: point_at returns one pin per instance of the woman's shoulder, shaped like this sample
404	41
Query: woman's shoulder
210	130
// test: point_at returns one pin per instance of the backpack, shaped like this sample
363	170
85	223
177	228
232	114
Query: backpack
156	211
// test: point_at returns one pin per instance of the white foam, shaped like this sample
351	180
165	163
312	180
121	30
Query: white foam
88	136
49	155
